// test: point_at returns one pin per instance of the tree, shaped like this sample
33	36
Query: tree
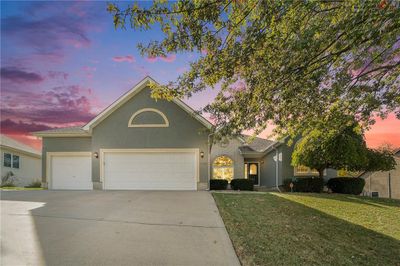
380	160
340	149
292	63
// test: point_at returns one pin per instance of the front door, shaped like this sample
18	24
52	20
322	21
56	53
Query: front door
252	172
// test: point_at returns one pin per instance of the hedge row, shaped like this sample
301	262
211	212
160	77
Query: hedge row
236	184
218	184
346	185
305	184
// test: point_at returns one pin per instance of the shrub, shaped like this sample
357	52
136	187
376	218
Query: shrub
8	180
35	184
305	184
346	185
218	184
242	184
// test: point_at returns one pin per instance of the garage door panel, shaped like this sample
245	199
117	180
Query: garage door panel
150	170
71	172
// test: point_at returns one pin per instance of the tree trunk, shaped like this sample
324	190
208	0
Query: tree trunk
321	173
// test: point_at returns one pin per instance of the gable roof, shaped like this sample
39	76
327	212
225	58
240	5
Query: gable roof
64	132
86	129
256	144
127	96
12	144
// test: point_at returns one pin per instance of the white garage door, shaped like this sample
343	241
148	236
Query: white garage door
71	172
150	170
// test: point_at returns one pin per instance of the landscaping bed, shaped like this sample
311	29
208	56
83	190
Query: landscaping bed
311	229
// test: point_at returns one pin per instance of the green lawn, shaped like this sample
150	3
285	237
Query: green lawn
311	229
21	188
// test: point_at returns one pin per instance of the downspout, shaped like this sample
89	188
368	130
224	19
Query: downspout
209	159
277	169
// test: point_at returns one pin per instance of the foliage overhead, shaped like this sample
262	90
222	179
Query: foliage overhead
292	63
340	149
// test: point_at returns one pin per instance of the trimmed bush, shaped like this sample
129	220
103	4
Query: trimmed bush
305	184
218	184
35	184
8	180
346	185
242	184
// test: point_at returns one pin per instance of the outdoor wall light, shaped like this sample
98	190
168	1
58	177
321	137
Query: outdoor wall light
202	154
96	155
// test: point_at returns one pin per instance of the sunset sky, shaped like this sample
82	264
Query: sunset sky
63	62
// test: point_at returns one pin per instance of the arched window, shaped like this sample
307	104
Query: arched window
223	168
148	117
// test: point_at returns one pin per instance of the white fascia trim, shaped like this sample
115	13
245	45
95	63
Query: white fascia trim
128	95
57	135
27	153
193	113
164	117
121	100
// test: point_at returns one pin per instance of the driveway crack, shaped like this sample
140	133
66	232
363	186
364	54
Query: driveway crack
117	221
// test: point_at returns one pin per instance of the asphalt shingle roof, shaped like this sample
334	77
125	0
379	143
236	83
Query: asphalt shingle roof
12	143
256	144
65	130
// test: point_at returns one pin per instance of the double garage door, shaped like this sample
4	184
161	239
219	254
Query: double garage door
128	170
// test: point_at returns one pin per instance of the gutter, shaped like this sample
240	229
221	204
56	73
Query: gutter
209	160
277	169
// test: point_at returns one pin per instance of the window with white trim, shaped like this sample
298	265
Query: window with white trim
15	161
223	168
7	159
10	160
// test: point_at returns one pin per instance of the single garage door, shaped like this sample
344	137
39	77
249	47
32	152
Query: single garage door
72	171
150	170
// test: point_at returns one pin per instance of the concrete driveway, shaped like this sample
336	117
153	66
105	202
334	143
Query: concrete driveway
112	228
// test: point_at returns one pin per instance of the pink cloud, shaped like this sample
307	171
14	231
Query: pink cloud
126	58
29	140
168	58
60	105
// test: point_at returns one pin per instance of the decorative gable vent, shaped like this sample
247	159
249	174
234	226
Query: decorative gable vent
148	117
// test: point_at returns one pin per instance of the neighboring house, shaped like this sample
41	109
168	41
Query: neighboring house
140	143
23	161
383	184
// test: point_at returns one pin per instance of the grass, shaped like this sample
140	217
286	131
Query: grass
21	188
311	229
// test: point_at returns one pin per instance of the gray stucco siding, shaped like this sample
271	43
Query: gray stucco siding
63	144
232	151
268	169
184	131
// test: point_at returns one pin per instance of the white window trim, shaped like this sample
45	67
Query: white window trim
12	160
221	167
166	122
